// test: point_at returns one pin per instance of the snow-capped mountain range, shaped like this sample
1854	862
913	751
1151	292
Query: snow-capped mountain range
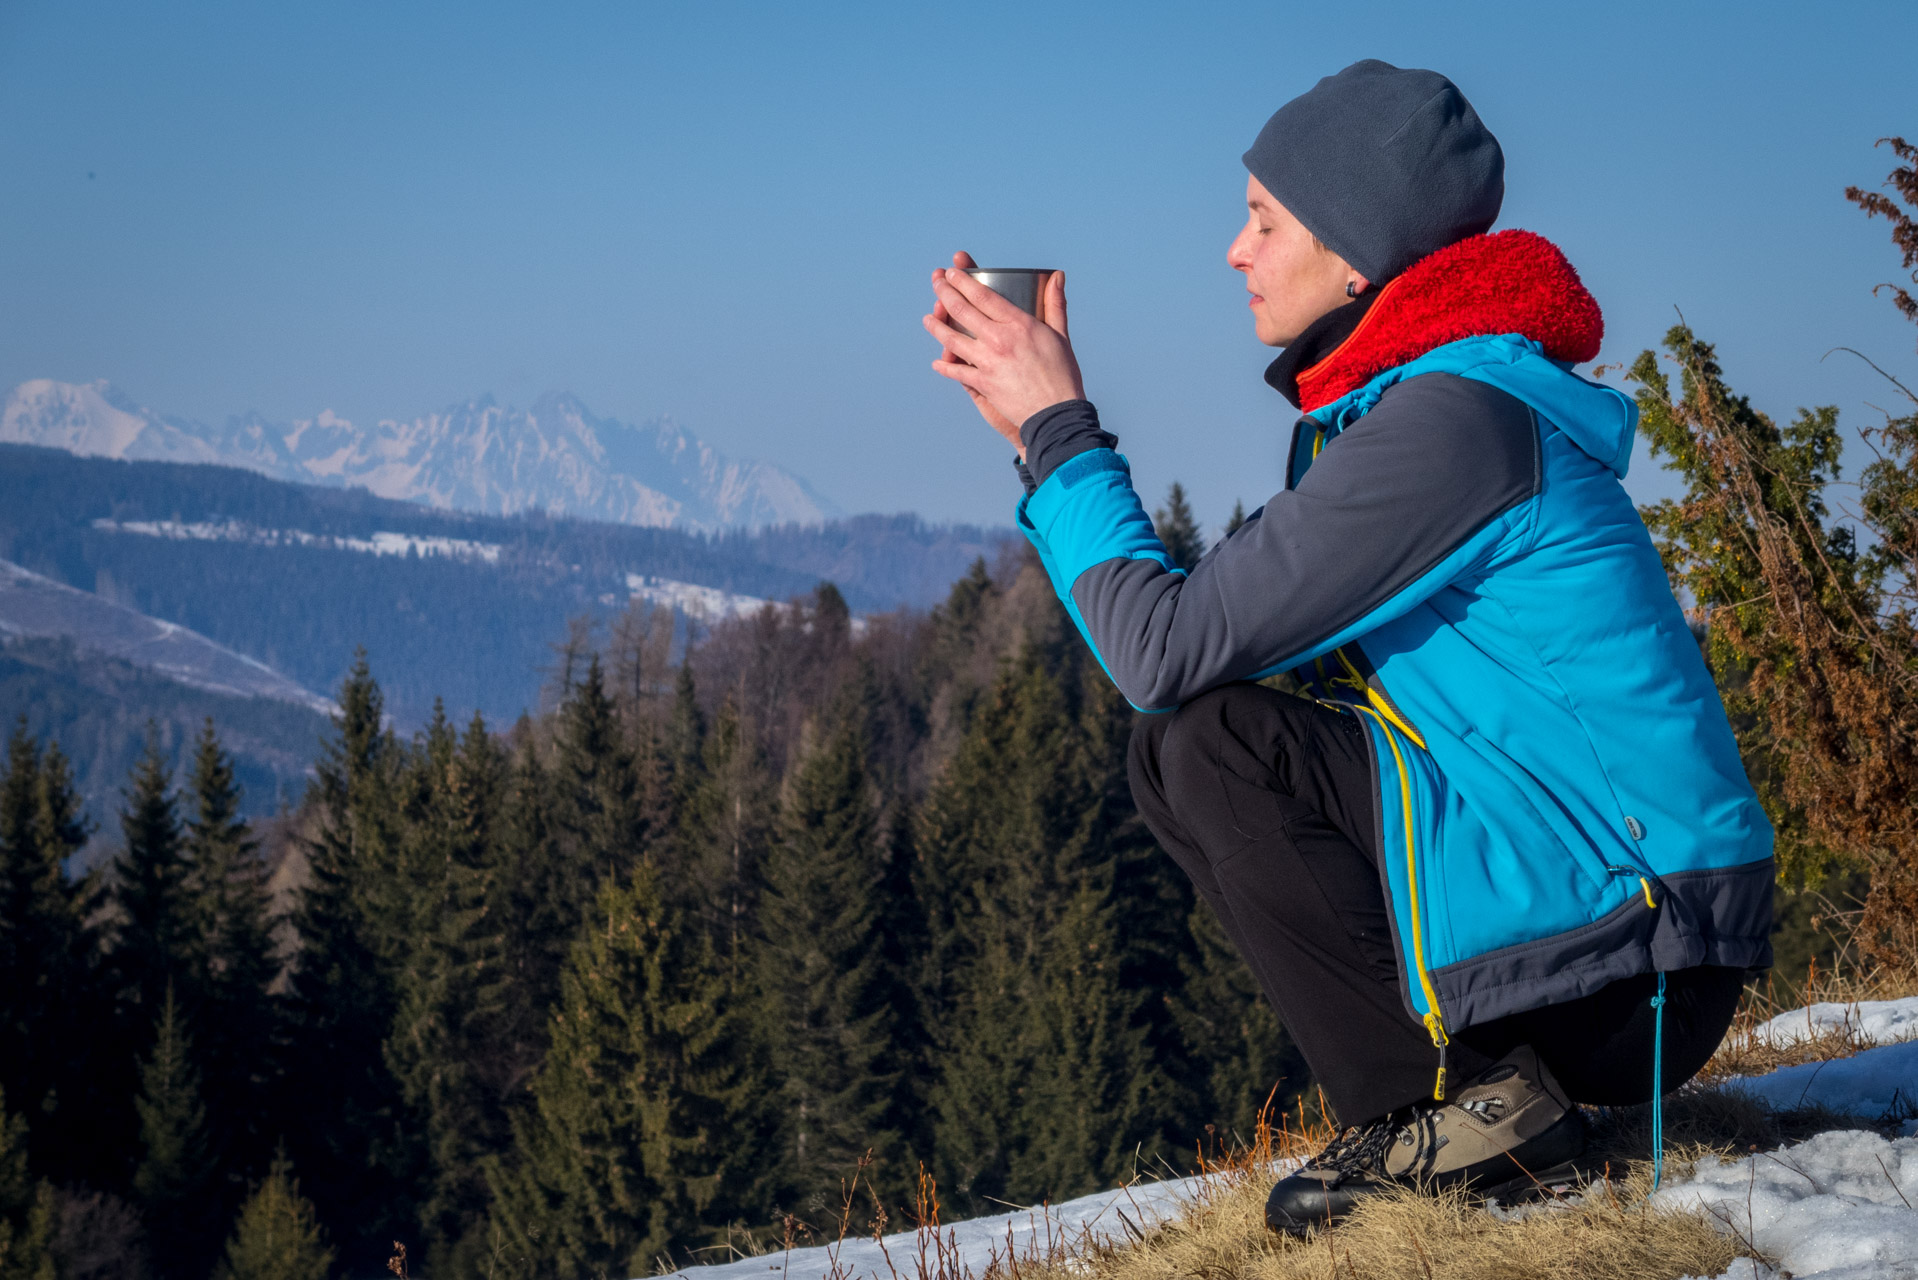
480	456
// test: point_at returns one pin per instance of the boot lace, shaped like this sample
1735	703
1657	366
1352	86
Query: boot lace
1359	1149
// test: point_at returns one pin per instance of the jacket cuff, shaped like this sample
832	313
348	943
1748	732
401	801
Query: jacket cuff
1057	434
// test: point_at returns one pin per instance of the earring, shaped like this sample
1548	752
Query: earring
1351	288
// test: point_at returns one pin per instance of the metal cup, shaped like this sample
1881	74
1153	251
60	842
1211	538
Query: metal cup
1023	287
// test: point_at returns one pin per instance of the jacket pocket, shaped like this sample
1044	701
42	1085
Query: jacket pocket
1527	796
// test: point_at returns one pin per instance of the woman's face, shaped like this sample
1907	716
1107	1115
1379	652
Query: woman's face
1292	279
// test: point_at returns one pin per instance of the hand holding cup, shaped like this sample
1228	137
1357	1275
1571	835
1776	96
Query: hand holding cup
1012	362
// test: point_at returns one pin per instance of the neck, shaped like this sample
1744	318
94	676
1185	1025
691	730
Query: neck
1320	339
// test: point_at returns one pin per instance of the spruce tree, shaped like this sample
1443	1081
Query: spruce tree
340	1106
1152	899
537	928
1237	517
236	1023
175	1166
1041	1049
1177	528
277	1234
647	1127
454	1009
722	831
830	1004
54	1063
26	1207
156	948
596	810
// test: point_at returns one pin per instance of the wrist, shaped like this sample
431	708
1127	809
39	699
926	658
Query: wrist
1060	432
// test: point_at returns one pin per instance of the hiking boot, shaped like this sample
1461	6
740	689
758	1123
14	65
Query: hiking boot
1513	1124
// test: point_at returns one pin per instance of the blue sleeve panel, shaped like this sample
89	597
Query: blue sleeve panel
1415	494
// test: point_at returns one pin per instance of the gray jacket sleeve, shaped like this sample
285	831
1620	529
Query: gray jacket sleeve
1384	517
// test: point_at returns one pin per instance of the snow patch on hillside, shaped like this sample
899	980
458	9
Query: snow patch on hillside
36	606
379	544
709	604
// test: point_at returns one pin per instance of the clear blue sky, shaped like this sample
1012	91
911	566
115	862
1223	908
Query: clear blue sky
726	212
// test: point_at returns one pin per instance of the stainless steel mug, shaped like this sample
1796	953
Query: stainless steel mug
1023	287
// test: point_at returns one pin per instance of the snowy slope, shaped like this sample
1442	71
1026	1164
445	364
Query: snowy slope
1835	1207
31	605
479	456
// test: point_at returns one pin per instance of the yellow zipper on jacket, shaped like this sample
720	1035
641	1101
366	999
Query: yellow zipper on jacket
1434	1021
1379	702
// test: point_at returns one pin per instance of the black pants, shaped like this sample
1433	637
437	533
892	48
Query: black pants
1266	801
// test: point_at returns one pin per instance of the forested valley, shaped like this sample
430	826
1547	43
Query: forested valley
640	981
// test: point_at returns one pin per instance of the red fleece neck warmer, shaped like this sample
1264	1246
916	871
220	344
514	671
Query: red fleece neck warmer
1506	282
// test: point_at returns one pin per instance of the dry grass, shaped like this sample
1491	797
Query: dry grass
1441	1237
1607	1234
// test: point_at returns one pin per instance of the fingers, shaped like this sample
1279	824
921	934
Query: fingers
984	301
960	312
960	372
1056	303
946	336
962	260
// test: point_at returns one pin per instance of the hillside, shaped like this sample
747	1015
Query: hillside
462	607
479	456
35	607
98	707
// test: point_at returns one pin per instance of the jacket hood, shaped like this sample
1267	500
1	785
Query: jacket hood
1599	419
1506	282
1518	296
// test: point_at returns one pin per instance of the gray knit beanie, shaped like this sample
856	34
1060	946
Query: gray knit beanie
1383	164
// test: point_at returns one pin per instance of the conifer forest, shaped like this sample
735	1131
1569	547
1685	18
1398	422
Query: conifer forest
635	982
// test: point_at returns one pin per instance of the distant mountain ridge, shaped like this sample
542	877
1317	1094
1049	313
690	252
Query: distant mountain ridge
37	607
480	456
451	605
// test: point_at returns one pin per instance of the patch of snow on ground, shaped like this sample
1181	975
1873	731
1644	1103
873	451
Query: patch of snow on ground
970	1247
1862	1085
1880	1021
1834	1207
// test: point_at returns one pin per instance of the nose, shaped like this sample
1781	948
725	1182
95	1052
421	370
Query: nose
1238	254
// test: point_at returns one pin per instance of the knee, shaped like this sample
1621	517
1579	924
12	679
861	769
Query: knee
1168	747
1203	731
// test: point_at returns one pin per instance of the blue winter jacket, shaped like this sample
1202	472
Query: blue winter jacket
1560	799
